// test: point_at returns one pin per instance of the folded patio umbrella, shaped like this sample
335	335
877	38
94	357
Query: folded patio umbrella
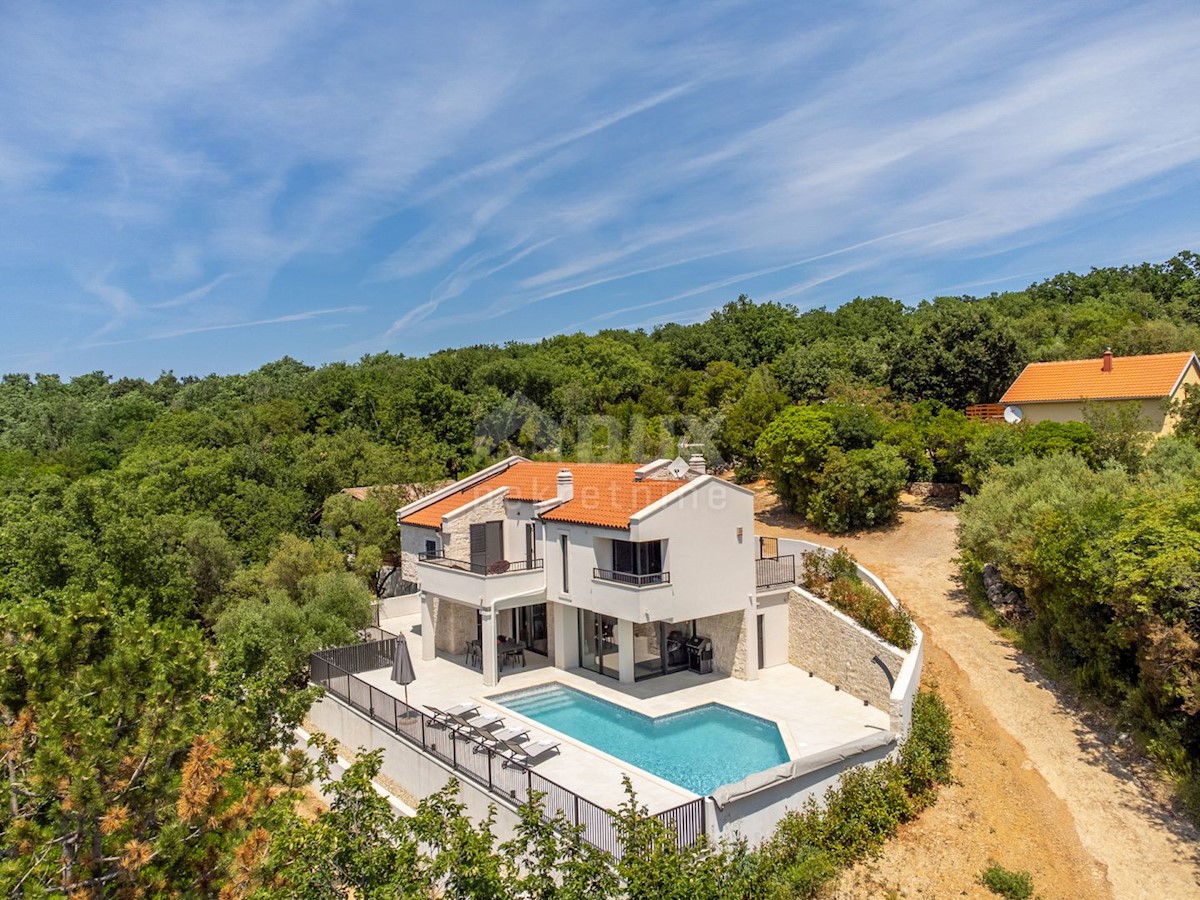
402	667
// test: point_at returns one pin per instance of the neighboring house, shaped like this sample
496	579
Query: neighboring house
1057	391
612	568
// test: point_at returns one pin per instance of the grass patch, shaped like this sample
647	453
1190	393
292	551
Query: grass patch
1007	883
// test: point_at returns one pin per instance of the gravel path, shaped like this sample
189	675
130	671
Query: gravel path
1039	787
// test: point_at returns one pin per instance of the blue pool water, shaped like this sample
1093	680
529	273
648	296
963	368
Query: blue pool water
699	749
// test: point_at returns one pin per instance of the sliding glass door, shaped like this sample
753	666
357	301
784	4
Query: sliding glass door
598	643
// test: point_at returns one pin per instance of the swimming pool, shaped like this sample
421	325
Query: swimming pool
698	749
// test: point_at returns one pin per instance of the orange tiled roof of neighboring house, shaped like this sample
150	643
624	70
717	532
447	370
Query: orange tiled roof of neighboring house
406	493
1132	377
604	493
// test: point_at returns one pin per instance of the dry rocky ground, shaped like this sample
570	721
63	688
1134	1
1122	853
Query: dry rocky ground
1039	786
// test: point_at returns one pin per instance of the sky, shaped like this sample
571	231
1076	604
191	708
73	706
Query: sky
206	187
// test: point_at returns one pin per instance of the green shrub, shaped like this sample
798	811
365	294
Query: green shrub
873	611
1048	438
925	757
834	577
858	488
809	846
821	567
1007	883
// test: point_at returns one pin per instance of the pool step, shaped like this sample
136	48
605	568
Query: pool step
539	704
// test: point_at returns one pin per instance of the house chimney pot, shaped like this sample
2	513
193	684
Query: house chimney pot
697	464
566	485
1106	365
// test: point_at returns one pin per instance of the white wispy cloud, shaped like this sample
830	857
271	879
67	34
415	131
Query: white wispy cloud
547	169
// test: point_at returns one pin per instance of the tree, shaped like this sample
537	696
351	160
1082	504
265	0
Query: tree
858	488
112	783
1122	433
745	420
793	448
958	354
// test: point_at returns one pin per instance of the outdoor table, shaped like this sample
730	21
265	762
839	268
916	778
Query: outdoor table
506	650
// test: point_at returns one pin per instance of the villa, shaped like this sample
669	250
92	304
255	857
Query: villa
611	568
578	624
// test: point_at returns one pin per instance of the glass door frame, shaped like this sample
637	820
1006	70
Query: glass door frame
593	660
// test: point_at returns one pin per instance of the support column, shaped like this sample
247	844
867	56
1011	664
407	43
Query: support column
750	636
491	666
625	655
566	636
428	644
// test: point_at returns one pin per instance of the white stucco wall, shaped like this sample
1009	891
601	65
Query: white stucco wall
711	568
774	610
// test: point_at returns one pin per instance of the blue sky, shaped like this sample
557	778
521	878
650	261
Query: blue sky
207	187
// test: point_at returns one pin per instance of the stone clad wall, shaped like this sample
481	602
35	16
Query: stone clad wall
728	634
837	649
454	626
458	536
412	544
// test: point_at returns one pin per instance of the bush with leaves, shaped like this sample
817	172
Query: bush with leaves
858	489
1009	884
834	577
793	449
1109	565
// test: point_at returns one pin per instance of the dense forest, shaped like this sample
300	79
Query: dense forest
171	551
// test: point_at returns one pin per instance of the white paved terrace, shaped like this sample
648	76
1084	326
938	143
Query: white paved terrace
811	715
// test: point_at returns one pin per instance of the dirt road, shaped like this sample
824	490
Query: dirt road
1039	789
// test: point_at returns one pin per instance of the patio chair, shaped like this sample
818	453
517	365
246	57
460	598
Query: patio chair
493	740
443	717
524	755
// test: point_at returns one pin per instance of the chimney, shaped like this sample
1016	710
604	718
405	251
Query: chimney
566	485
697	465
1106	365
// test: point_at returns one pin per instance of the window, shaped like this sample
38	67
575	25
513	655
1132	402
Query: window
563	544
644	558
431	548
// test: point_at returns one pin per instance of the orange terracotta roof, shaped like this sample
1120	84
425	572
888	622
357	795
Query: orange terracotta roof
1132	377
605	494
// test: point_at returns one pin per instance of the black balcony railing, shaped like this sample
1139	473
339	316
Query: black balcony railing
630	578
499	567
479	764
773	571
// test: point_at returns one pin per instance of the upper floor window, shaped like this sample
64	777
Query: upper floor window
564	542
638	558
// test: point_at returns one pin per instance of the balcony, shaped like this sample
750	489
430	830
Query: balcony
774	571
479	584
628	578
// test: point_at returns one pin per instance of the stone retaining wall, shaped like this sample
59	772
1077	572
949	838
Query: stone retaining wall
837	649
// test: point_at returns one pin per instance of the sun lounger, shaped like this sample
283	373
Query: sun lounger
443	717
524	755
492	740
465	725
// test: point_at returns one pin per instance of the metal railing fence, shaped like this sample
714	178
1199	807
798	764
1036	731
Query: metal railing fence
774	570
478	763
631	578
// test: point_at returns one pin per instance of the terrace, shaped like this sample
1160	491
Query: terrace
811	714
